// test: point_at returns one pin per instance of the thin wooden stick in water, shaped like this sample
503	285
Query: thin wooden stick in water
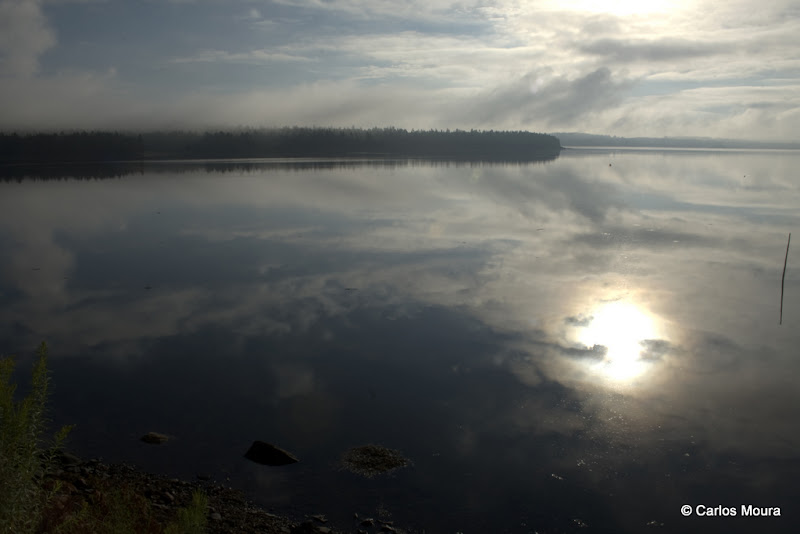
780	321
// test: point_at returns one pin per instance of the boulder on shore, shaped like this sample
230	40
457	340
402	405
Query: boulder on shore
264	453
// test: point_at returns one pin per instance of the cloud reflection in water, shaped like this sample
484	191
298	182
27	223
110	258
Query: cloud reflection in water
444	291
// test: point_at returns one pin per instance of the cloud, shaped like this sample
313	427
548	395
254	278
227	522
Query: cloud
444	10
57	2
76	100
593	353
101	101
24	36
626	50
562	101
656	349
579	320
734	112
254	57
699	68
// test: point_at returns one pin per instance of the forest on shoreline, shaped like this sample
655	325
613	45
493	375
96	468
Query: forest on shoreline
98	147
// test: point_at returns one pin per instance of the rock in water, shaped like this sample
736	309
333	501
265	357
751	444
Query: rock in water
371	460
154	438
268	454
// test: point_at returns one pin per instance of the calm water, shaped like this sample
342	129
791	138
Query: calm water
580	345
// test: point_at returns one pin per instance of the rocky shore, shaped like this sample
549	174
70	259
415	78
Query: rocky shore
229	511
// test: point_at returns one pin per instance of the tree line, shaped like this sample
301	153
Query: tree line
473	145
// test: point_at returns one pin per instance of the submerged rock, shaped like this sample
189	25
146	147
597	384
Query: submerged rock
264	453
371	460
154	438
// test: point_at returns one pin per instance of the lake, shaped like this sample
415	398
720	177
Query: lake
585	344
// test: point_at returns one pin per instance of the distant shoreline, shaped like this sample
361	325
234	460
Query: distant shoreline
584	140
676	148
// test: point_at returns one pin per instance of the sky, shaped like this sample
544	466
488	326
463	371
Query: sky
620	67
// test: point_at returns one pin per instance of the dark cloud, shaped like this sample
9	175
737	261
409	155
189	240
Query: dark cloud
656	349
625	50
579	320
595	352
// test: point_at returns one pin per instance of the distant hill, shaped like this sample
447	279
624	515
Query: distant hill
584	139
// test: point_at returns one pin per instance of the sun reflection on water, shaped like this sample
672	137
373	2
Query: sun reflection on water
620	327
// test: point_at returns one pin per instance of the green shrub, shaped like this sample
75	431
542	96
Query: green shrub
23	461
26	496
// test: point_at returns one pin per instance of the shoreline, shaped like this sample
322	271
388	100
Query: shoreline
229	510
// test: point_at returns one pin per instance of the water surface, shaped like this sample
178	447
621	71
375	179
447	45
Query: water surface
581	345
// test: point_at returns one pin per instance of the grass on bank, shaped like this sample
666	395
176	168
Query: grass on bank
32	503
192	519
120	510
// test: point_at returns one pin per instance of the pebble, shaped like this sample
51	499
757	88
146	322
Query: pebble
216	516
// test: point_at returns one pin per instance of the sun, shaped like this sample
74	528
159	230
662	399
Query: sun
620	327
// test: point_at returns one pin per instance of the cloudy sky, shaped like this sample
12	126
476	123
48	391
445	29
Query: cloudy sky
621	67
